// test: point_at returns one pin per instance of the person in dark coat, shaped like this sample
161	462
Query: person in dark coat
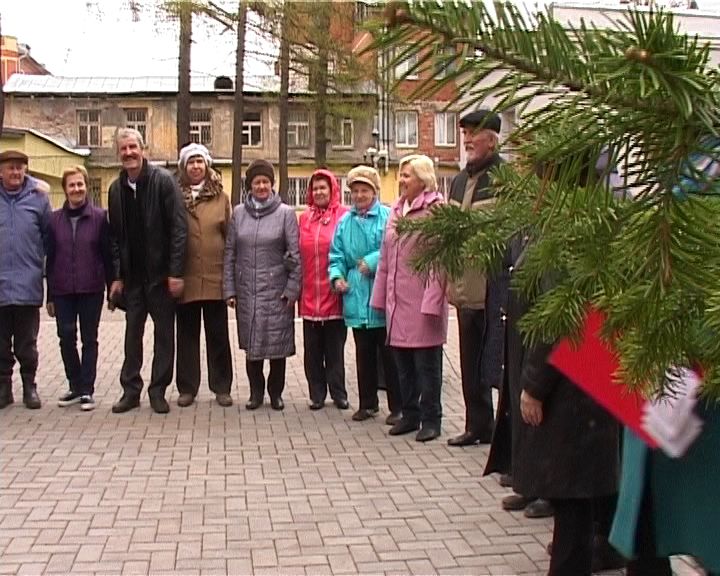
262	275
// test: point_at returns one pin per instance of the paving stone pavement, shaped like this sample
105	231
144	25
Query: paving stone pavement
212	490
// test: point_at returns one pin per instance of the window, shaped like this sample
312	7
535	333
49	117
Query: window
297	191
201	127
406	129
444	61
445	129
88	128
298	134
252	129
405	65
137	118
95	191
344	133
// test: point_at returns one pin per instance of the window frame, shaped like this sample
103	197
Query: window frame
139	125
88	124
407	114
295	127
196	126
247	129
339	129
446	116
405	65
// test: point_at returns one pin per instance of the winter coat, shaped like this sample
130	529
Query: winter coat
24	221
317	227
163	219
685	495
262	272
207	226
359	237
79	263
416	308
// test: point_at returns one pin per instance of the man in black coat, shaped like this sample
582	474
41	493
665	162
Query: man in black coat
149	231
478	299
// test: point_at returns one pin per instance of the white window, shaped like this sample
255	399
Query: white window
252	129
445	129
88	128
405	65
298	134
297	191
344	133
137	118
201	127
406	129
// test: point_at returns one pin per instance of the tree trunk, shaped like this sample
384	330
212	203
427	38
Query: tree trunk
323	17
183	98
283	104
237	183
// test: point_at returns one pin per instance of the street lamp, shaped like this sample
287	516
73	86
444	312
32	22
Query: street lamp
377	157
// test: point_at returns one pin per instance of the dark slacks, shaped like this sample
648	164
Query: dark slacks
19	326
217	347
420	378
370	350
477	391
572	543
275	380
156	301
87	309
324	359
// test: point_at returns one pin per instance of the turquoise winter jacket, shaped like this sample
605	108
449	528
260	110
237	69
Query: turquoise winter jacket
358	237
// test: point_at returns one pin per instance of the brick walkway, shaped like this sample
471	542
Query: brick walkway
207	490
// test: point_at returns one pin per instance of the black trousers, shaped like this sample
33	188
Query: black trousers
156	301
420	377
648	563
370	349
217	347
324	359
572	543
19	327
477	391
256	376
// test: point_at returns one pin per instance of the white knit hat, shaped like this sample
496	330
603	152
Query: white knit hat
191	150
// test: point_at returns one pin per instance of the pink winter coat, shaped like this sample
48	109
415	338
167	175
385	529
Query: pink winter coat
416	308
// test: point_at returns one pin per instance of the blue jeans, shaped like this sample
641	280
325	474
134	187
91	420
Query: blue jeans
420	378
68	309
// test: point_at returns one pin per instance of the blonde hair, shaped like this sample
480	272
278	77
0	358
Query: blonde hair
77	169
423	167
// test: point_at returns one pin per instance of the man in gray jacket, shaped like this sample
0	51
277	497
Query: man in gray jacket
24	218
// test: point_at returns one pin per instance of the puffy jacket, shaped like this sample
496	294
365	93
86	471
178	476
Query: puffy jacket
415	307
359	237
24	220
79	263
163	219
317	226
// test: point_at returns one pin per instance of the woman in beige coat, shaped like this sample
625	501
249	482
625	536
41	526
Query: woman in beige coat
208	209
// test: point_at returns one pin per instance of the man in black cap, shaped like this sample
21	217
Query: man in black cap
477	299
24	219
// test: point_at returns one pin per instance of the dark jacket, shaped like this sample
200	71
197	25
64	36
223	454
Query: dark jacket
163	221
482	188
80	263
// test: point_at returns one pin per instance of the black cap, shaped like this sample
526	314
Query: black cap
482	118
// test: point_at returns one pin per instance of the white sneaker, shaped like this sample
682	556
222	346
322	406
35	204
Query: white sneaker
68	399
87	403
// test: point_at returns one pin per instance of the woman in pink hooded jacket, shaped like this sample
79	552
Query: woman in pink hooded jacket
416	309
324	329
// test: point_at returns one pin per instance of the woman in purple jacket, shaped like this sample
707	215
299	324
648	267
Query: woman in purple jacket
79	267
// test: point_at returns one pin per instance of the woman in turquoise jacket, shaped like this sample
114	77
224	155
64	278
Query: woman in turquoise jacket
354	256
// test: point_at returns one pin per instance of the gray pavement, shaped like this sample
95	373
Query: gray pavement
212	490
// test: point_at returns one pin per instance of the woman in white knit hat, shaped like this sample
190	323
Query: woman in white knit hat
208	214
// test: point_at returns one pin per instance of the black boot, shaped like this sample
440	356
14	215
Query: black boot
6	395
30	397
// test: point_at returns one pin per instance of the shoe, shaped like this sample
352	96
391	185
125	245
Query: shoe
363	414
342	404
403	427
125	404
505	480
277	403
224	400
159	404
87	403
393	418
467	439
253	403
548	549
605	557
515	502
68	399
427	433
539	509
185	400
317	405
31	398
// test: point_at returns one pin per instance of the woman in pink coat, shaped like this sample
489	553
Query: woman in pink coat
416	309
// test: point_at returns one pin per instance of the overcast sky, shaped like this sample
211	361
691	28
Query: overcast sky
101	38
